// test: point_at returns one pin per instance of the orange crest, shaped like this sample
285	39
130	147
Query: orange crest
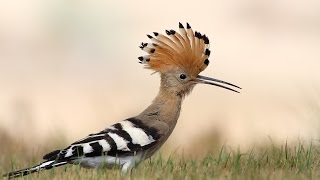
187	50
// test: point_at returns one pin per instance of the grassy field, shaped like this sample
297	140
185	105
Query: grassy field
270	162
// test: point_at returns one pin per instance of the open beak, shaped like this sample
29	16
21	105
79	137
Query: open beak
216	82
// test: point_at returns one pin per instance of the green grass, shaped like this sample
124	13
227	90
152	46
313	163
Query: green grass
271	162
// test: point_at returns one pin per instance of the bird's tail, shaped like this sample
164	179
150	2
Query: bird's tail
42	166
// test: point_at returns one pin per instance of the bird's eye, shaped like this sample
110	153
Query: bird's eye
183	76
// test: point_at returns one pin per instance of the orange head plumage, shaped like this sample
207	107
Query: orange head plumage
187	50
181	55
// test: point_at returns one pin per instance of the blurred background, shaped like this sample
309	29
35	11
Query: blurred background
69	68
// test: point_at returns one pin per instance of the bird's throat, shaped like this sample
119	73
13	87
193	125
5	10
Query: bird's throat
165	107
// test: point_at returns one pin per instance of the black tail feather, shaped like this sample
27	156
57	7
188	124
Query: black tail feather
42	166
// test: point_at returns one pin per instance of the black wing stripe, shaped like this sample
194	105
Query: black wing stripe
113	145
89	139
120	132
97	150
52	155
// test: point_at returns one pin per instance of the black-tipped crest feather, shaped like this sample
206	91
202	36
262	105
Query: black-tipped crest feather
185	49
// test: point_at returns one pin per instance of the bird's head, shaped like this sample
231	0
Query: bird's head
179	58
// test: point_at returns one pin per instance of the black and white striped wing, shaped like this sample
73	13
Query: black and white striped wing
121	139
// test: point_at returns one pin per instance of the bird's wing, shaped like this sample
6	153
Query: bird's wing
124	138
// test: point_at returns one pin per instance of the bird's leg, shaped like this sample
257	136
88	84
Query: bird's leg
131	164
127	166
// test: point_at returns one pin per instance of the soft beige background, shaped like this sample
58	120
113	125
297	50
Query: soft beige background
71	67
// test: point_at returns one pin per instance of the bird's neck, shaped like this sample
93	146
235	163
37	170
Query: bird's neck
165	107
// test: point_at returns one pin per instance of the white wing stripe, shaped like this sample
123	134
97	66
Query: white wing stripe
87	148
105	145
69	152
137	134
120	142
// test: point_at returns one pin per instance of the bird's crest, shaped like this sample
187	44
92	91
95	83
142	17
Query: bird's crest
187	50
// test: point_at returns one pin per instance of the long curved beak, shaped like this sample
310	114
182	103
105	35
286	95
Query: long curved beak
216	82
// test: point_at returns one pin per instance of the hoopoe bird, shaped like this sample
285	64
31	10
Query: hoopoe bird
178	58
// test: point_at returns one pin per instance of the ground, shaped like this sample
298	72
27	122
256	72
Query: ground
300	161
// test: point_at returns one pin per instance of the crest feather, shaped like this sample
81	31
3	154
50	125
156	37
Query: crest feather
187	50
